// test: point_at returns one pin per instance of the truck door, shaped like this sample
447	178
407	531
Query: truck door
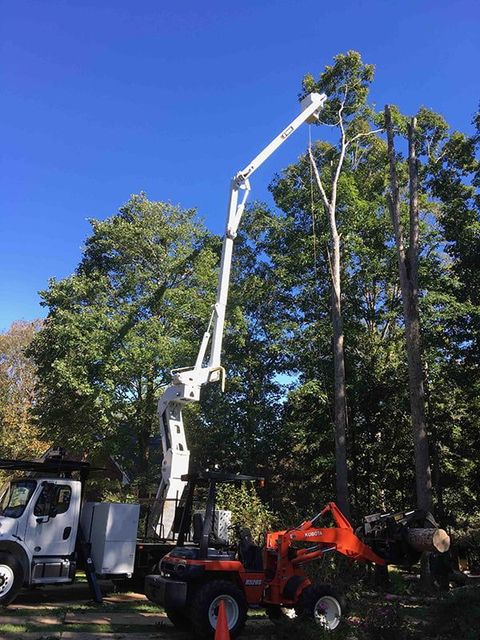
51	527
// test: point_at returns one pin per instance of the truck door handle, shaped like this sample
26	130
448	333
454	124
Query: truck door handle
66	532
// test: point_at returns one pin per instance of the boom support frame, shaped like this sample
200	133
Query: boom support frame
187	383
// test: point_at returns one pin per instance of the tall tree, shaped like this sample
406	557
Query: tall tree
407	258
134	309
346	84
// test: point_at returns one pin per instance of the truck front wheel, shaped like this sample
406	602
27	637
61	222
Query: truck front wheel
206	604
11	578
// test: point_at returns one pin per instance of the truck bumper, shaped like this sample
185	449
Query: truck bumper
166	592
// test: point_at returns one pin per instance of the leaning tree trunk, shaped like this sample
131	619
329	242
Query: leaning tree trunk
408	272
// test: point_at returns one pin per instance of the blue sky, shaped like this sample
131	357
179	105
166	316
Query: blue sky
104	98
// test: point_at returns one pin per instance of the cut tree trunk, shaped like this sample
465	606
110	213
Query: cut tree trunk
429	540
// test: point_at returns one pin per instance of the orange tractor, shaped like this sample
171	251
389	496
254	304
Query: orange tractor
194	578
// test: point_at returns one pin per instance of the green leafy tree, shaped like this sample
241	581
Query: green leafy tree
134	309
20	437
452	171
297	257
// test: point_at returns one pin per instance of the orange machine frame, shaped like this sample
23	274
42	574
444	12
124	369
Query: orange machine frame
283	562
282	579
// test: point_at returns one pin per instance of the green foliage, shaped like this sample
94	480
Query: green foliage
247	508
347	81
134	309
282	331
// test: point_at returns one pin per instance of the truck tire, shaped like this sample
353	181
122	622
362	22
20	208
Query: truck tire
323	604
205	605
11	577
179	618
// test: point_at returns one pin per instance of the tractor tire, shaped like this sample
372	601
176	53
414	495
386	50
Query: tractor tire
205	604
179	618
11	578
324	605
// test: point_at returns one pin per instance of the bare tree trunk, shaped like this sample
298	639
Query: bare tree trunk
340	413
408	272
341	477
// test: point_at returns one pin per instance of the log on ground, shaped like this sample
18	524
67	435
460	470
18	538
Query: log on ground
428	539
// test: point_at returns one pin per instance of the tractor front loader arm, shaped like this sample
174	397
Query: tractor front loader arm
341	538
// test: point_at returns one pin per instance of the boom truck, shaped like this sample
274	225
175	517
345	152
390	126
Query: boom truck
47	528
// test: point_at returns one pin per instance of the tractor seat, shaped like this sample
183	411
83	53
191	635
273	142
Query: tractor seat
249	553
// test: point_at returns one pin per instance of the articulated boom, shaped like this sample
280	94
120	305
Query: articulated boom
186	383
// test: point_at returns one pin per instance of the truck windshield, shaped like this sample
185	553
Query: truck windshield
16	497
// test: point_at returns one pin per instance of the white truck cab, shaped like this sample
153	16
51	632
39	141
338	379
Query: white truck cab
45	529
38	530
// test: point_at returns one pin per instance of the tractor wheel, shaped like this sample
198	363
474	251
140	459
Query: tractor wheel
11	578
179	618
323	604
206	603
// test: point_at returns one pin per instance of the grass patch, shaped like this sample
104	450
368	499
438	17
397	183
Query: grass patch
93	607
13	628
28	613
79	608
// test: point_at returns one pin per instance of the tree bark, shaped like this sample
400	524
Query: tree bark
428	539
408	272
341	476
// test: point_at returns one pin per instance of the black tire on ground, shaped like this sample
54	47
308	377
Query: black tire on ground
205	605
12	576
179	618
325	605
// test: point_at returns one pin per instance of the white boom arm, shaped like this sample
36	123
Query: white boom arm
186	383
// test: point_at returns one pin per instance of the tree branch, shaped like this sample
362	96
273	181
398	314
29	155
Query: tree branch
318	179
340	160
363	135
